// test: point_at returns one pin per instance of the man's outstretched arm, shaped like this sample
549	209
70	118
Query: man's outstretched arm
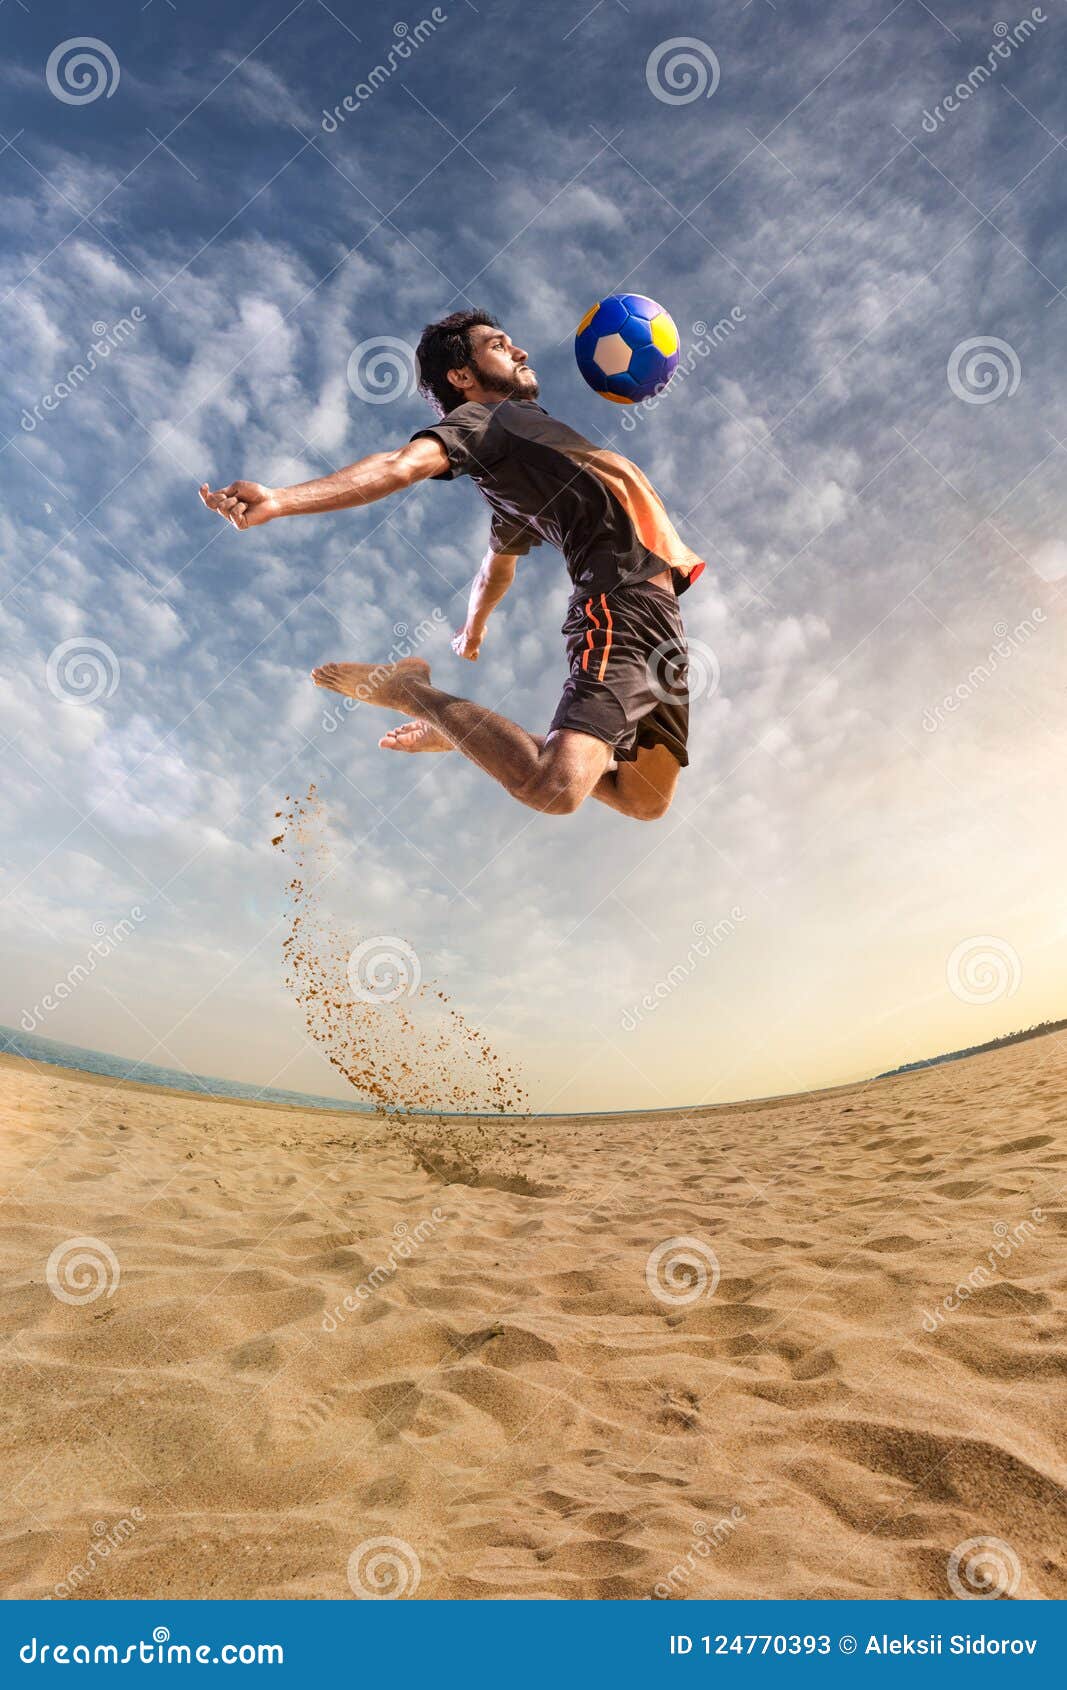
247	504
492	581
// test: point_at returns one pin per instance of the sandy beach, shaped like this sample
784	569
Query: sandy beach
810	1347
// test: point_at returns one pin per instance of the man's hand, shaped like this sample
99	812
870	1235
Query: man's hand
468	642
246	504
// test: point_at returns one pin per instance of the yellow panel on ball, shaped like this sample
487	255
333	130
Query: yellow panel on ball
664	334
588	318
617	398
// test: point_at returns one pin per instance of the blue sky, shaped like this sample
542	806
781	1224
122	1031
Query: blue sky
883	530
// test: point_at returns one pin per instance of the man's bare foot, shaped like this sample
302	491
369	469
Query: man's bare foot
374	683
415	736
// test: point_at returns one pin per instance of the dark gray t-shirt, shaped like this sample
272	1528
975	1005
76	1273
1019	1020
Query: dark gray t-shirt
544	481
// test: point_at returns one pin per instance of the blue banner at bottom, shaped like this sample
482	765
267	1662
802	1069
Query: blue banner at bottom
688	1644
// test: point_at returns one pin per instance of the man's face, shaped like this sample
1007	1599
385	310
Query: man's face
499	367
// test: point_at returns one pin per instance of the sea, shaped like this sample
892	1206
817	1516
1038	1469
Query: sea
39	1049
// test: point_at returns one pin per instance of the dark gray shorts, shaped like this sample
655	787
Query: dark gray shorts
629	667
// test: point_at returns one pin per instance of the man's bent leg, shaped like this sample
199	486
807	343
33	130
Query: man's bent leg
554	776
643	787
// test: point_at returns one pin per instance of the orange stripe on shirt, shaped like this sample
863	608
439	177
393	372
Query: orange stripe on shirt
642	504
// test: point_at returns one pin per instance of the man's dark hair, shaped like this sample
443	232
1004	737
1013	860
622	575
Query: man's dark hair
447	346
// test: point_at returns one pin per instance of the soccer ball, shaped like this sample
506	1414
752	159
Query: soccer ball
626	347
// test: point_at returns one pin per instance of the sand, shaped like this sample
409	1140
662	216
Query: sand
505	1399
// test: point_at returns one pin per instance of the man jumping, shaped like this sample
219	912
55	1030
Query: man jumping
621	727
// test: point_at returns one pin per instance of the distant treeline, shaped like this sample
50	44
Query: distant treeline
1038	1031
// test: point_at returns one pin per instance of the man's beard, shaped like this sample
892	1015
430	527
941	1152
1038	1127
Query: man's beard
507	387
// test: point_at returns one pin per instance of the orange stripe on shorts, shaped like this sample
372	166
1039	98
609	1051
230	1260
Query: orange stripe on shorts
589	633
607	642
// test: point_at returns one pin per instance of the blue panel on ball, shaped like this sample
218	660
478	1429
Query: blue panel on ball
611	316
640	306
650	369
637	331
624	385
593	374
585	345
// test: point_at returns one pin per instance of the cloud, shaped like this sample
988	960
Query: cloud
260	93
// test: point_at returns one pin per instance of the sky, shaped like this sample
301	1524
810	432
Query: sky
866	441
